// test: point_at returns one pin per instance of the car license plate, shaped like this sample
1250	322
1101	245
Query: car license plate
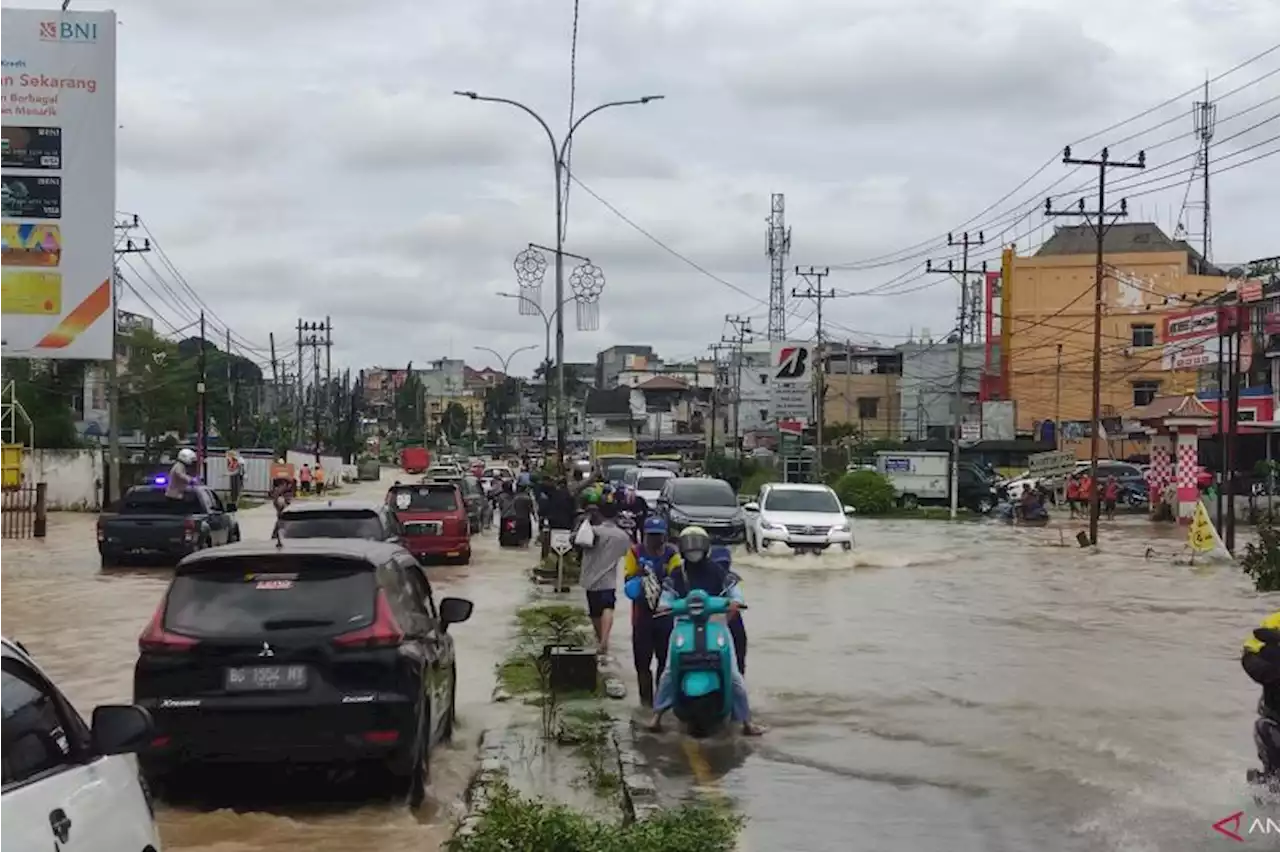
423	529
265	678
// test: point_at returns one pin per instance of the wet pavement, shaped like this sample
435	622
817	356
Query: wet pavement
983	687
970	687
82	626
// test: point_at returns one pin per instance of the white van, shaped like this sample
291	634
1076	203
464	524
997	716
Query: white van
67	785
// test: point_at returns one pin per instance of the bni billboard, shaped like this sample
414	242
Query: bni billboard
58	110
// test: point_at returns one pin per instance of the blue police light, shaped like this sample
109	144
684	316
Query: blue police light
160	480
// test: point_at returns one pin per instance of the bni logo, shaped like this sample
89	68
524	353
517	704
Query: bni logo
68	31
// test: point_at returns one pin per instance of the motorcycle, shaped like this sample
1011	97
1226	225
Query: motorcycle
701	661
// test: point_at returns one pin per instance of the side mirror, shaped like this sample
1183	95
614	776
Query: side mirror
751	507
120	729
455	611
849	510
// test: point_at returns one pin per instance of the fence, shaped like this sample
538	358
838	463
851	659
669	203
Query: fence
24	511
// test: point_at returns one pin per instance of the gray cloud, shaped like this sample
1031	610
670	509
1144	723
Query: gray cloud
309	159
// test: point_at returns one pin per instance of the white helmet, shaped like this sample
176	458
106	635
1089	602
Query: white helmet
186	455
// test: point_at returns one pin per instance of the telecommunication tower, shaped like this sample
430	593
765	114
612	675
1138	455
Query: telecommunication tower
778	247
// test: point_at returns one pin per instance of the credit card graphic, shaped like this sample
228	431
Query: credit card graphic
31	197
25	291
30	244
31	148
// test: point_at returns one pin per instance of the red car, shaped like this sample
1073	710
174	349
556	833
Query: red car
433	520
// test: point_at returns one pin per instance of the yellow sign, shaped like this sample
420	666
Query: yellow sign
1202	537
12	465
23	291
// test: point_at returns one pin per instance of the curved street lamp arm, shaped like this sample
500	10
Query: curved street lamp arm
551	137
576	124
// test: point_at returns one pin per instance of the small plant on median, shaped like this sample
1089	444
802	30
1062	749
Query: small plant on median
588	731
1261	561
512	822
553	624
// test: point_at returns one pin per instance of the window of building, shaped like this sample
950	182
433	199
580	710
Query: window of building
868	407
1144	334
1145	391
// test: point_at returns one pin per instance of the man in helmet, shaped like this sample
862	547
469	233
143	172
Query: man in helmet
1261	661
698	571
647	566
181	474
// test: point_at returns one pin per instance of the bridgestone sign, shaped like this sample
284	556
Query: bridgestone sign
791	381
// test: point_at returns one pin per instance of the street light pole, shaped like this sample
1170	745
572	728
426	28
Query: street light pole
547	319
558	150
506	369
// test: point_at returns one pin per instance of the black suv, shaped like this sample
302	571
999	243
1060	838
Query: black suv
339	519
315	651
704	502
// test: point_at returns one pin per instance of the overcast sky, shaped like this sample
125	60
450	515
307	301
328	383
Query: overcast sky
309	159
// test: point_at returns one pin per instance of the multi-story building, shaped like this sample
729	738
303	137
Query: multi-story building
927	388
615	359
700	374
1047	313
862	385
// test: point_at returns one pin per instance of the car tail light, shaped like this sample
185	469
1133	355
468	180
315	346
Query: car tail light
156	638
381	737
189	529
102	534
383	632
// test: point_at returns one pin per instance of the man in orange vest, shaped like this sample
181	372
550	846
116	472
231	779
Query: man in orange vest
319	476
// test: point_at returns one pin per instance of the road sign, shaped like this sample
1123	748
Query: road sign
1052	463
791	380
562	541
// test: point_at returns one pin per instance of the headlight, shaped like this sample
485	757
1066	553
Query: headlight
679	516
840	528
695	607
770	525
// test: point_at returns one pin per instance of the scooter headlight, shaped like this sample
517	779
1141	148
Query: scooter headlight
696	606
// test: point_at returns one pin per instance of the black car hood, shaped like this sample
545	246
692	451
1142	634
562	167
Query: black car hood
719	513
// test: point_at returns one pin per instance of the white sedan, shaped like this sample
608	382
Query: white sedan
68	785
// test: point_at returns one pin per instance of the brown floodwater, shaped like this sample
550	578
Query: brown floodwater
984	687
82	625
967	687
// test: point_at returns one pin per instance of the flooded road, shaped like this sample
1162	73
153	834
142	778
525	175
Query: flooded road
979	687
970	687
82	626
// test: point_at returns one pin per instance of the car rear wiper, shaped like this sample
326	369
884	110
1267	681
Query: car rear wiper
287	623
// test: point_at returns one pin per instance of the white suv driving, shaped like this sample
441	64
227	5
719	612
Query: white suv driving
68	785
799	516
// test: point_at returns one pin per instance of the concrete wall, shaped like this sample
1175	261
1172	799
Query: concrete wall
334	469
74	477
844	393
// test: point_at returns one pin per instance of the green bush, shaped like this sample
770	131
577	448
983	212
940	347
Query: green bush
1261	561
867	491
511	822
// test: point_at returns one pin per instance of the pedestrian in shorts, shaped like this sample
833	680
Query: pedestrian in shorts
600	571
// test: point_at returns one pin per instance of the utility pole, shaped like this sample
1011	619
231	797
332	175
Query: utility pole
317	335
329	418
1100	222
816	293
275	379
962	275
716	349
113	367
300	397
202	435
742	330
1057	404
777	246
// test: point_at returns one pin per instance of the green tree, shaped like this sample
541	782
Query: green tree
453	422
409	414
573	384
500	401
47	391
157	390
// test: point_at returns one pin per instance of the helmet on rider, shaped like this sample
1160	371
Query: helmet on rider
187	456
694	544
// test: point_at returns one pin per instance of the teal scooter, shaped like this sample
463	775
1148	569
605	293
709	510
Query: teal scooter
701	661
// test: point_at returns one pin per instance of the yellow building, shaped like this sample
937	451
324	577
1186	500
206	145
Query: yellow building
472	405
1047	323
